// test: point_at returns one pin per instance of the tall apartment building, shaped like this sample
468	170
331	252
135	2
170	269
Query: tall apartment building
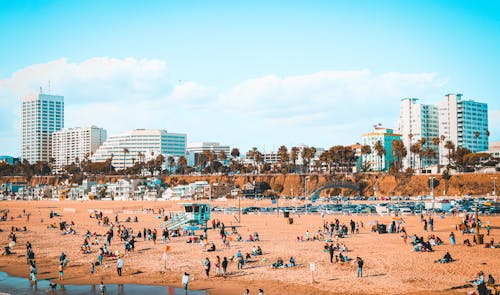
42	114
463	122
194	149
75	144
126	149
386	136
418	121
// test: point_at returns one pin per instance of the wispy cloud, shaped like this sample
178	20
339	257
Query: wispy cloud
121	94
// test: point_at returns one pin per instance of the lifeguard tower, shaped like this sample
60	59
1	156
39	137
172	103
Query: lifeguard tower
194	214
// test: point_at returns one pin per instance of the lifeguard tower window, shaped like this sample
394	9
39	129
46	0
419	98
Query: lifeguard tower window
194	208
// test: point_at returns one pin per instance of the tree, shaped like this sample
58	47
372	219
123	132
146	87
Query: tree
171	163
436	141
365	150
201	161
294	155
125	152
460	157
182	163
476	135
283	152
380	150
235	153
307	154
222	156
399	152
450	146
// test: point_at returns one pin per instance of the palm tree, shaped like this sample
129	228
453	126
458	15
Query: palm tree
283	152
449	145
222	156
307	154
294	155
436	141
182	163
410	137
380	150
365	150
476	135
171	164
125	152
399	152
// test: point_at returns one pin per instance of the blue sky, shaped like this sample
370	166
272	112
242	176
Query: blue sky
255	73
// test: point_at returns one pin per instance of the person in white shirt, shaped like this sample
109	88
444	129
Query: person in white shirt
185	281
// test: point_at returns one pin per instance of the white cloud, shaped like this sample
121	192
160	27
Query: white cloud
323	108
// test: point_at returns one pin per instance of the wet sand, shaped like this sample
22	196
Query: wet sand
391	267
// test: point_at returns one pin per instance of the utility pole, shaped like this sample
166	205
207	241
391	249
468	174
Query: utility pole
477	224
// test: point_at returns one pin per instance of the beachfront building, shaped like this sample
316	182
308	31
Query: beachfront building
140	145
494	149
42	114
463	122
418	123
75	144
9	160
195	149
385	136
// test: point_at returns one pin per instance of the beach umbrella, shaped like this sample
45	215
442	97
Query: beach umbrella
372	222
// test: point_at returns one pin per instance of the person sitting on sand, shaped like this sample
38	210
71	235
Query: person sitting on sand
292	262
254	250
467	242
278	263
259	250
250	238
211	248
446	259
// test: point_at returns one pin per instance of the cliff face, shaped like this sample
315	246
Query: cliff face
294	184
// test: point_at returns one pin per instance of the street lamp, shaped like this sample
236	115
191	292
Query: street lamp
494	186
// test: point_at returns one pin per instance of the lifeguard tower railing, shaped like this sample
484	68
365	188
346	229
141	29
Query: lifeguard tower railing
194	214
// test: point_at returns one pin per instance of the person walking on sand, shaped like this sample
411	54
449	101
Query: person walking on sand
332	251
119	266
185	282
247	292
224	266
92	268
360	266
261	292
61	271
206	265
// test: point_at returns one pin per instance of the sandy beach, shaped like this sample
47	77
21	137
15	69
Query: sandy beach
391	266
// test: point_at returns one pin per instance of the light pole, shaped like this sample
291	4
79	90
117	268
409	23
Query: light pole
494	186
432	193
306	192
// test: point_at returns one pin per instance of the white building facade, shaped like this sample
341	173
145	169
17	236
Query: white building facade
416	122
463	122
75	144
140	145
42	114
194	149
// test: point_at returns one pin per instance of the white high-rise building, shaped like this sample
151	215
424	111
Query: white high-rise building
194	149
42	114
416	122
463	122
75	144
140	145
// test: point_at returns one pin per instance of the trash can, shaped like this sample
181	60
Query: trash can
382	228
286	214
290	220
481	239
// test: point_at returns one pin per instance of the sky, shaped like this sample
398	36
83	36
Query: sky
246	73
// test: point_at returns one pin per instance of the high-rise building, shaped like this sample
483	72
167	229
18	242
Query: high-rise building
385	136
418	122
194	149
140	145
75	144
463	122
42	114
